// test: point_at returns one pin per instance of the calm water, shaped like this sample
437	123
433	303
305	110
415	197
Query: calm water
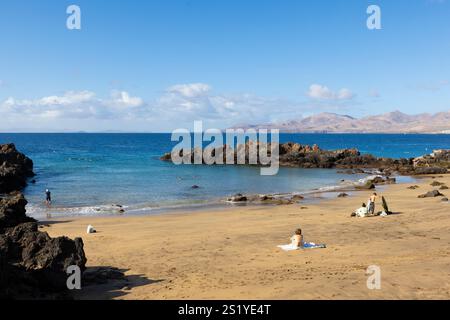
89	172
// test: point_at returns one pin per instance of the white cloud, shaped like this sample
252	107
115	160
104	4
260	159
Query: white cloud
321	92
123	99
178	106
345	94
69	98
195	101
190	90
70	105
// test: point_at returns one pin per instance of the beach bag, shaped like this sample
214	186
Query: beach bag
90	229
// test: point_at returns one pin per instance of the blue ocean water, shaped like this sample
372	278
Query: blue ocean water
87	173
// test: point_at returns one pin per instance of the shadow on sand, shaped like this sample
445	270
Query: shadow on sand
379	216
48	223
105	283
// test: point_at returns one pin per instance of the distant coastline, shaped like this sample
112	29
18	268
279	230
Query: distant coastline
389	123
394	122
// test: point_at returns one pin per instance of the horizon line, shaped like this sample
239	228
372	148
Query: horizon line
155	132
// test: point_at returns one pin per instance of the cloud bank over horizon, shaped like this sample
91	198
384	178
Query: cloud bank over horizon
177	106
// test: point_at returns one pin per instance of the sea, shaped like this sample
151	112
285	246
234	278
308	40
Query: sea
99	174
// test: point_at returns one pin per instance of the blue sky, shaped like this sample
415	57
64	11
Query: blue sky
161	64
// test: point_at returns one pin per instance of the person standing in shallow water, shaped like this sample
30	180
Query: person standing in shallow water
48	197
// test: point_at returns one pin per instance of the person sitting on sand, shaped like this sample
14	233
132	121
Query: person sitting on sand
298	243
361	212
371	203
297	238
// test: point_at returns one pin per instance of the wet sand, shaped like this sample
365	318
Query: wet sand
233	254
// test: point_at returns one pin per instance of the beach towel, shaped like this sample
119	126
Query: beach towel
306	245
289	247
312	245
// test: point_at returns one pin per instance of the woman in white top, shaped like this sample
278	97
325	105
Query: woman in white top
361	212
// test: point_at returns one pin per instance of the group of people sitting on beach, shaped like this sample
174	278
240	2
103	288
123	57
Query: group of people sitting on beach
369	209
297	241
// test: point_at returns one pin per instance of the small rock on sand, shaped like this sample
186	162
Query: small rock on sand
367	186
238	198
431	194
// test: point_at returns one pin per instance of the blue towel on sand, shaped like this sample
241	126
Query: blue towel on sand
312	245
306	245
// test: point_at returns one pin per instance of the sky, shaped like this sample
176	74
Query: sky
159	65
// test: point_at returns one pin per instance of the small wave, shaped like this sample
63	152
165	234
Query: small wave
39	211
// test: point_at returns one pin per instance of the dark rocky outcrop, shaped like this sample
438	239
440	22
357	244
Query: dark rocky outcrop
383	180
15	169
238	198
265	199
438	158
431	194
32	264
369	185
429	170
304	156
36	264
12	211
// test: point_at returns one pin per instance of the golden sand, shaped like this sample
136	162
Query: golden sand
233	254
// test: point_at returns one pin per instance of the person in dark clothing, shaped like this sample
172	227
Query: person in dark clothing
48	197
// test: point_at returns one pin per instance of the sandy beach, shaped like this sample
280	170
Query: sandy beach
233	254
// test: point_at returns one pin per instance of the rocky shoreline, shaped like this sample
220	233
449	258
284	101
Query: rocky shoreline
15	169
305	156
350	161
32	265
368	183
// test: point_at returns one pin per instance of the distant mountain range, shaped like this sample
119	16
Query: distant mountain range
392	122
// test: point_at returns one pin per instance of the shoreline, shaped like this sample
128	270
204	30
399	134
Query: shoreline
310	196
232	253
